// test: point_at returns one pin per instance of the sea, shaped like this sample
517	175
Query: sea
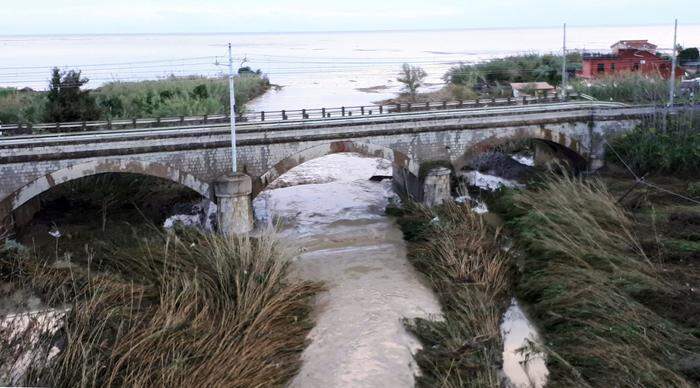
311	70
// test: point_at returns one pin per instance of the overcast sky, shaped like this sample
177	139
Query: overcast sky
167	16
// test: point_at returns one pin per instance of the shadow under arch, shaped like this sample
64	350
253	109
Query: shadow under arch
40	185
407	174
560	143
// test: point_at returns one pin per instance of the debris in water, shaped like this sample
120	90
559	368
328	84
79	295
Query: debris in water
522	365
489	182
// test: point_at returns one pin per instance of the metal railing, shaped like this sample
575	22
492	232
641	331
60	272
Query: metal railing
268	116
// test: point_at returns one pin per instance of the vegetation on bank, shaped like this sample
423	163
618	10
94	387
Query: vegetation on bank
587	278
649	149
627	87
183	309
149	308
492	78
66	100
462	259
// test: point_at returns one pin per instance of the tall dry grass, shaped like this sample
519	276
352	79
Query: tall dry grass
180	310
462	259
583	267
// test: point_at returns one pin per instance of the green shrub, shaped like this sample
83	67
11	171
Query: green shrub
648	150
187	96
694	189
174	96
627	87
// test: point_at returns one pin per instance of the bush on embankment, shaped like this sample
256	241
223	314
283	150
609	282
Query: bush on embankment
177	96
178	310
463	261
170	97
649	149
633	88
582	268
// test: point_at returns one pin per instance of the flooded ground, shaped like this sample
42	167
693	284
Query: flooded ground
335	219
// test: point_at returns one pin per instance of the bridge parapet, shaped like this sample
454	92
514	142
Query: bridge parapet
198	156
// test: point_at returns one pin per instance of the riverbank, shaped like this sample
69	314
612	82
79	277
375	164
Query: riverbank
99	294
602	281
169	97
330	215
463	260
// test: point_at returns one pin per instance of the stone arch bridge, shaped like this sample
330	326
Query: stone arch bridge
199	157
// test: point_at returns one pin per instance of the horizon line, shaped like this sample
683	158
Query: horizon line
272	32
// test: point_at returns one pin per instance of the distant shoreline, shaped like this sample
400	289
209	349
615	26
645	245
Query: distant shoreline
212	33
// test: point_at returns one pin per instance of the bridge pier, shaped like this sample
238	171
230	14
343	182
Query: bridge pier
234	204
437	187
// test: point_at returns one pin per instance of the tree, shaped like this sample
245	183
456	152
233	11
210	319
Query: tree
412	77
66	102
691	54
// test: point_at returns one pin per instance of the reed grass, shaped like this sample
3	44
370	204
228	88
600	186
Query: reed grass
582	269
183	309
462	259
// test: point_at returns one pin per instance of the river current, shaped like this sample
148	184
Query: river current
332	215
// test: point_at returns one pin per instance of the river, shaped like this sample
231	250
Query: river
333	217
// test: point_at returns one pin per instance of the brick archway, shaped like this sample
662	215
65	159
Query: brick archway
77	171
398	159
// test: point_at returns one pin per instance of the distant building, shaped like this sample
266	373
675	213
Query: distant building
531	89
638	45
627	56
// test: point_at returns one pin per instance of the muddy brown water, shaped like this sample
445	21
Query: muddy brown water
333	217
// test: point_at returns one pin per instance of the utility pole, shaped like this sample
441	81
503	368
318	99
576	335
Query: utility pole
673	67
232	98
563	67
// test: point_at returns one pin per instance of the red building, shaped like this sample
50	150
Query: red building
627	56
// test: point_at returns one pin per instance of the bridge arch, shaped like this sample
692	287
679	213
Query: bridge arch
82	170
397	158
570	147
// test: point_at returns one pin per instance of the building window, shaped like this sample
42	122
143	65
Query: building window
635	67
612	67
601	68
